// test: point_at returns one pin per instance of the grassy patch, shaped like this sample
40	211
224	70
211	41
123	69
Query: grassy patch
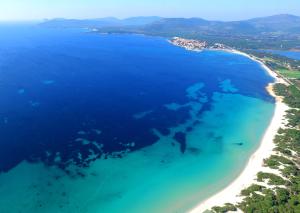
289	73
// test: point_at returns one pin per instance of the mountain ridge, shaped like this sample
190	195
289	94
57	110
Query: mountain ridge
99	22
278	31
276	23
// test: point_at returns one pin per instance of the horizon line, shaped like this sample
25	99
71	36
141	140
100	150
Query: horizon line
123	18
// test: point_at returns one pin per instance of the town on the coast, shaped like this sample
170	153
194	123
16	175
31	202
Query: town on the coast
197	45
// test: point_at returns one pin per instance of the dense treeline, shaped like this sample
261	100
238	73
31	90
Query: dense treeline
290	93
283	192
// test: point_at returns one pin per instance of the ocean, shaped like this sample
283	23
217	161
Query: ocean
122	123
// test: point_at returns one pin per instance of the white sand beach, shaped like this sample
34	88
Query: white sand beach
231	194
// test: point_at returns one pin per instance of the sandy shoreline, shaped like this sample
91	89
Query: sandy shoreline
255	164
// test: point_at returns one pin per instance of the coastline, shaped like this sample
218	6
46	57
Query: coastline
231	194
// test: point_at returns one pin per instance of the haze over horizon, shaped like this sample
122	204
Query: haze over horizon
230	10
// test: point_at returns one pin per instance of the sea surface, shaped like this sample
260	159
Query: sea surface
121	123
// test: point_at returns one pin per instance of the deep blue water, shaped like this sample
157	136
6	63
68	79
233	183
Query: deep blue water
59	86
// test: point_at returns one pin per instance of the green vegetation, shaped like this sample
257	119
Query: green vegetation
290	171
293	116
272	163
273	179
283	194
268	201
288	139
226	208
284	66
275	161
290	93
294	74
252	189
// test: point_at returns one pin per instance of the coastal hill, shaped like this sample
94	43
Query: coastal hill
100	22
284	22
272	32
278	23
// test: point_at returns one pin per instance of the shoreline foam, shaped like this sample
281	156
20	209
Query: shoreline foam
231	194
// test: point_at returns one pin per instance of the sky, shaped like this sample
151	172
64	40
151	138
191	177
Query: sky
226	10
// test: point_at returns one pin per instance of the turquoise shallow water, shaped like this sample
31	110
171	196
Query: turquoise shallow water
122	123
154	179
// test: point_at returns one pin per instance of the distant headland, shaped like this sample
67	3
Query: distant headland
279	32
